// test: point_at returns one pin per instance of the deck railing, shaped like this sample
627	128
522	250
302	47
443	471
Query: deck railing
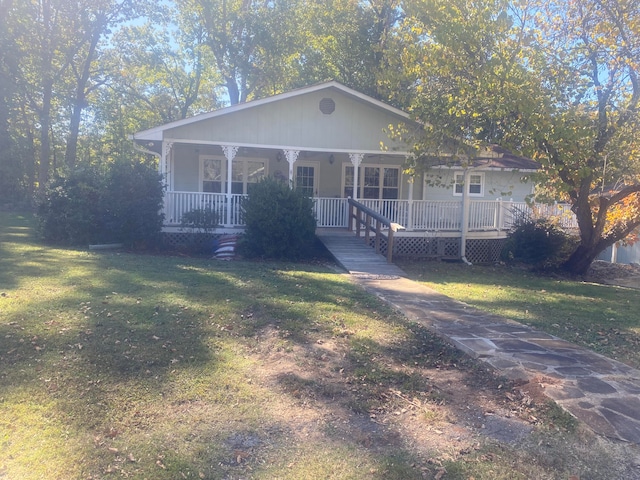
373	223
420	215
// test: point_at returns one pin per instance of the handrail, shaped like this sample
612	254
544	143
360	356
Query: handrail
356	209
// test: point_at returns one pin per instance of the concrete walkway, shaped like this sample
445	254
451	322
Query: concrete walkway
603	393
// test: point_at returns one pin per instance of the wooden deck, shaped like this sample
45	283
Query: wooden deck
353	255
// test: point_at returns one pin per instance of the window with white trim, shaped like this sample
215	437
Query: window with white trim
212	175
374	182
244	174
306	179
476	184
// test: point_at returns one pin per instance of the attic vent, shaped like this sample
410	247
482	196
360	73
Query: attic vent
327	106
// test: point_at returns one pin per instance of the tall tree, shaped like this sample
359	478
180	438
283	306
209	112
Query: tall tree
555	80
590	141
235	29
58	45
94	22
39	31
11	172
267	47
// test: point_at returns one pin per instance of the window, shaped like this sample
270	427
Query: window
476	184
373	182
305	179
212	175
244	174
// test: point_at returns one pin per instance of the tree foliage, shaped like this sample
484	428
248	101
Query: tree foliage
56	45
80	76
265	47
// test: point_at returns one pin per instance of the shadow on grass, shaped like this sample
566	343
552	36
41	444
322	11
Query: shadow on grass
148	360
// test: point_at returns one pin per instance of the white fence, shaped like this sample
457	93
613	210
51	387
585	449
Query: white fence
421	215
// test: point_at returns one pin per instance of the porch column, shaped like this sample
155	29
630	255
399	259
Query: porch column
356	160
614	253
291	156
465	215
410	204
230	152
164	164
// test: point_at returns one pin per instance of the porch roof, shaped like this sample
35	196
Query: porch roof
495	158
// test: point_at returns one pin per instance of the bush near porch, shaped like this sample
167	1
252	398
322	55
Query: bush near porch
279	222
88	205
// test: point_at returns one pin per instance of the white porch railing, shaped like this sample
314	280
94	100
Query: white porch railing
177	204
421	215
331	212
431	215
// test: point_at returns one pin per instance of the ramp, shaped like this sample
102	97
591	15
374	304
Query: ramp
352	254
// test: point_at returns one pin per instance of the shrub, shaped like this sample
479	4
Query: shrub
87	206
200	223
70	213
133	199
538	242
279	222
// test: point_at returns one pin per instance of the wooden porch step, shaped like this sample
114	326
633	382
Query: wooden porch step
352	254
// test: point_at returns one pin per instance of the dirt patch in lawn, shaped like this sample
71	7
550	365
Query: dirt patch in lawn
451	417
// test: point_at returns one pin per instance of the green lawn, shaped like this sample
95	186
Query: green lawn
120	365
603	318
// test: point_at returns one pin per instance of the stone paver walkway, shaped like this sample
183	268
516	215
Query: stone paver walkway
601	392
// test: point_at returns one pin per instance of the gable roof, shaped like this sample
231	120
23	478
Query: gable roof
160	133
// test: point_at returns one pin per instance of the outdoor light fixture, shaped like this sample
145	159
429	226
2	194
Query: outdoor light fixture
332	159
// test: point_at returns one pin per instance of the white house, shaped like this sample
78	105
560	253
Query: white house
326	139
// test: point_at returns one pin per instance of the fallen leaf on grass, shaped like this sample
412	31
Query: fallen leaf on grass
440	472
240	455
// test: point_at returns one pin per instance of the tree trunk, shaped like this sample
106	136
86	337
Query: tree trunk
81	97
74	129
45	144
582	258
233	91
